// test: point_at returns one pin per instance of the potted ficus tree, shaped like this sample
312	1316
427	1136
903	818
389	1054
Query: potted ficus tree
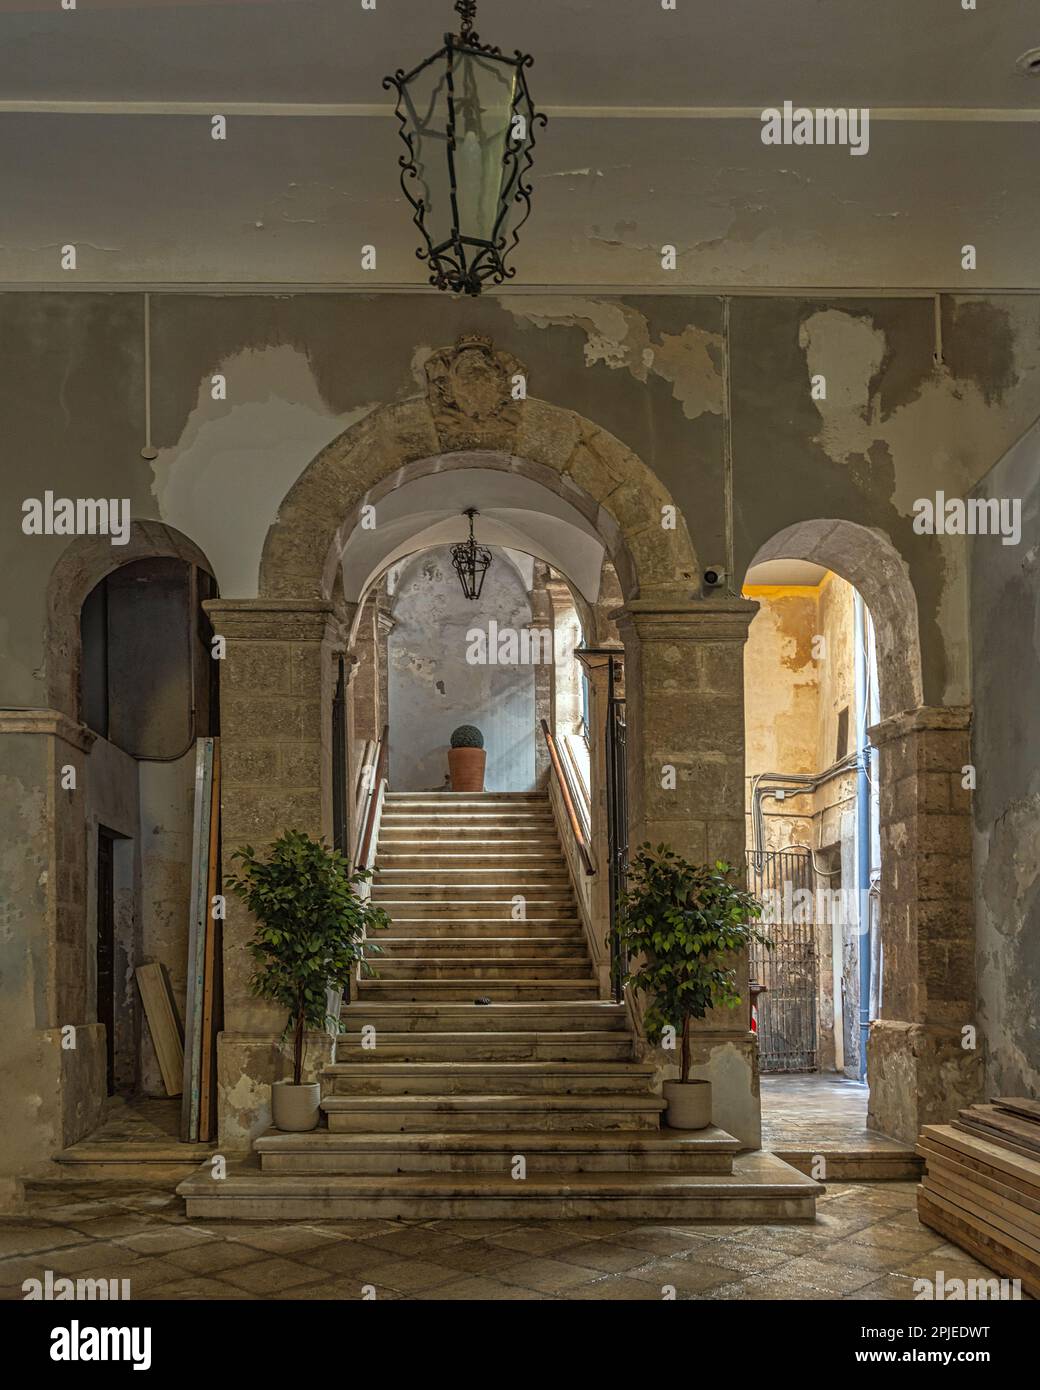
310	937
467	759
681	923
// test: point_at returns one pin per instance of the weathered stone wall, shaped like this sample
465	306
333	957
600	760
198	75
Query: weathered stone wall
1005	752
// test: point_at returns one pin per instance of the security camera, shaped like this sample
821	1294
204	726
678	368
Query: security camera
714	577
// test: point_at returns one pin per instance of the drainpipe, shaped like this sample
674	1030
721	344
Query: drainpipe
862	828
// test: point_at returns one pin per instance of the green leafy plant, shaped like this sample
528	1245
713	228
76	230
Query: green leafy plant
679	922
311	928
467	736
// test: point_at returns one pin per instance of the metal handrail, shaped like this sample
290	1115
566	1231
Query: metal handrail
617	820
563	778
373	800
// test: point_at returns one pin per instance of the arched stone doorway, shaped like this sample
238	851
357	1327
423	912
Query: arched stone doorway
683	650
921	1064
83	782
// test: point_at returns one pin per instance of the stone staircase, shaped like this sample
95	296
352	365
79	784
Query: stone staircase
532	1105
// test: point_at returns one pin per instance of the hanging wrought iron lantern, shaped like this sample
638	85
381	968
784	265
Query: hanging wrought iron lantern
468	123
471	561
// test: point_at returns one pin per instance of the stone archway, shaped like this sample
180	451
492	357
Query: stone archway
918	1070
468	414
82	565
869	561
684	669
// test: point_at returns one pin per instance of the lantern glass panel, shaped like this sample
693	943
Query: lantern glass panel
425	98
484	91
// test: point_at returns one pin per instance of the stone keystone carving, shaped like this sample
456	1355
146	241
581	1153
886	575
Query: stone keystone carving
470	389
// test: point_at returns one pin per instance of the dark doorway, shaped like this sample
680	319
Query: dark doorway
106	946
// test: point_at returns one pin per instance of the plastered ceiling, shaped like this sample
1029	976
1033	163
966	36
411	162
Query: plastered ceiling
655	139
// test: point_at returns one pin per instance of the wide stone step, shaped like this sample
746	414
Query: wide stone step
502	1016
544	1046
761	1188
381	1077
466	990
430	925
462	929
401	905
612	1151
539	948
514	878
393	967
436	864
477	798
513	825
468	1113
394	835
409	885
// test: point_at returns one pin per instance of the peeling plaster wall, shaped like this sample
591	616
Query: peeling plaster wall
649	368
894	427
433	689
781	707
1005	592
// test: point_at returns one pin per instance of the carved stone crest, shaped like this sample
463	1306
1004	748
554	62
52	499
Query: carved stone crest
472	391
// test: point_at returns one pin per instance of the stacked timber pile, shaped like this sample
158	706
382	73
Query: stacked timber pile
982	1185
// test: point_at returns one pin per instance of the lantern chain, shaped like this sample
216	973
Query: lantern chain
468	10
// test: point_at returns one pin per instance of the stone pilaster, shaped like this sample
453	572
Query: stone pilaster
277	684
919	1068
684	686
50	1095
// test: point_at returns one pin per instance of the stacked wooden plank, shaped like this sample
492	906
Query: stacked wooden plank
981	1187
201	1009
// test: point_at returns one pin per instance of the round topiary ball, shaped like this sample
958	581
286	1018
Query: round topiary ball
467	736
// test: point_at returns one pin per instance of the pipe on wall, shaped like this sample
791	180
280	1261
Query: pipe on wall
862	828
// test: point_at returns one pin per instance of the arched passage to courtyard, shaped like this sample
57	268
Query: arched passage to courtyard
884	815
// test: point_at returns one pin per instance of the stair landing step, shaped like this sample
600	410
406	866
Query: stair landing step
492	1070
760	1188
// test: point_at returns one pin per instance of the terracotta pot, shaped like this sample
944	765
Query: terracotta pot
689	1104
296	1108
467	769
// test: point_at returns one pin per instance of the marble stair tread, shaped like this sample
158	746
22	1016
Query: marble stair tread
710	1140
486	1100
494	1071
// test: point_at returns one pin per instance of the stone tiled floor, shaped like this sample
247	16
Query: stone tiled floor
817	1110
866	1244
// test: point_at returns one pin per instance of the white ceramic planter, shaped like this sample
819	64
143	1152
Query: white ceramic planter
296	1108
689	1104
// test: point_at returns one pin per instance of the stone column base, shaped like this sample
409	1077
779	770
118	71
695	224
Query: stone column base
730	1062
919	1075
247	1066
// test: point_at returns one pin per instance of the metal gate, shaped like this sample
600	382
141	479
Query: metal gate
787	1007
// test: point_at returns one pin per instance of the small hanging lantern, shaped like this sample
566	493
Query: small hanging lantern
467	121
471	561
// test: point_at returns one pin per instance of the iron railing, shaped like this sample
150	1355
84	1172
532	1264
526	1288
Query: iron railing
787	1031
572	801
617	816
